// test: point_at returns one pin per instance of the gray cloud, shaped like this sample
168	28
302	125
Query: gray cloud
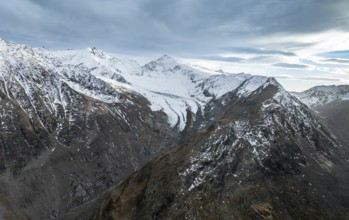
250	50
291	65
183	27
308	78
225	59
256	59
264	59
335	60
339	54
320	79
330	63
266	16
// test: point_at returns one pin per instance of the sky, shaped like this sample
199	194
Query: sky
302	43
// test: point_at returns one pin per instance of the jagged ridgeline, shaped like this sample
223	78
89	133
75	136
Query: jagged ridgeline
264	156
176	141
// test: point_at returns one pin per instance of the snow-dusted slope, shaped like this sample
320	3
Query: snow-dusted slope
263	146
169	84
322	95
331	104
97	61
25	67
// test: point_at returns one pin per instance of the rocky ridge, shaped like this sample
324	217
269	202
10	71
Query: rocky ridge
263	156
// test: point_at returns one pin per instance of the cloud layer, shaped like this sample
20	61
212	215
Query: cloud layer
188	26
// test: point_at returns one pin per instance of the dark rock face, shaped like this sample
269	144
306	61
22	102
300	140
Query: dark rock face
43	172
336	116
259	158
61	148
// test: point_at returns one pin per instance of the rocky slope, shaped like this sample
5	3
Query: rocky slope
261	156
331	104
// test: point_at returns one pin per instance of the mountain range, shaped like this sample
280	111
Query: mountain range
85	135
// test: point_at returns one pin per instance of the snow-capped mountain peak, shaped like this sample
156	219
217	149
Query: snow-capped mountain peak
164	64
166	59
11	48
322	95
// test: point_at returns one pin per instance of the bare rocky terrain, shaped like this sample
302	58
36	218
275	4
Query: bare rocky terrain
250	162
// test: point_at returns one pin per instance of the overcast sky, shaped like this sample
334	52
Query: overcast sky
301	42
